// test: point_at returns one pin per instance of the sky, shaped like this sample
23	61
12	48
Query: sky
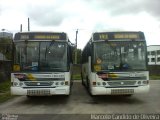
87	16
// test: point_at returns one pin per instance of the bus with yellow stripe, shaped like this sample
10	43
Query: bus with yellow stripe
115	63
42	63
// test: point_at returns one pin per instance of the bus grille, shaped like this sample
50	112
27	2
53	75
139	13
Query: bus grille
38	83
38	92
122	83
122	91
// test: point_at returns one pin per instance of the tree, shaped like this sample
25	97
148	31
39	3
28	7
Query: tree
79	51
6	48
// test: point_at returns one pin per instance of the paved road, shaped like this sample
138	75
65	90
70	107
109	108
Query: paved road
80	102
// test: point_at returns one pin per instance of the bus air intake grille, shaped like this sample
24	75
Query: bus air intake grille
38	92
122	91
122	83
38	83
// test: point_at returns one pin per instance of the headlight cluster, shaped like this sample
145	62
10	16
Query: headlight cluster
17	84
61	83
99	83
144	82
56	83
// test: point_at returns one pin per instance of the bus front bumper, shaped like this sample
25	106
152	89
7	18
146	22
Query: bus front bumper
119	91
40	91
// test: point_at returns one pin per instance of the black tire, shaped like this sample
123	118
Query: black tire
129	95
88	87
82	80
29	97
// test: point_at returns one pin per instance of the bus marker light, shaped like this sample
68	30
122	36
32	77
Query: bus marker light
94	83
66	83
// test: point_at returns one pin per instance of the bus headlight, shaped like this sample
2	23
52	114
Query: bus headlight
62	83
15	84
98	83
139	82
57	83
145	82
21	83
104	83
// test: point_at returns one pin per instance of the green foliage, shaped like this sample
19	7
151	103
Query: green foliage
154	77
76	72
5	91
79	51
6	48
154	70
4	97
76	77
5	86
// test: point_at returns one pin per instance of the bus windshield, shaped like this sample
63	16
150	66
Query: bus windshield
120	55
41	56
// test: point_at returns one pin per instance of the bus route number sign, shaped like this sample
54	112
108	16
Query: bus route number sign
103	36
126	36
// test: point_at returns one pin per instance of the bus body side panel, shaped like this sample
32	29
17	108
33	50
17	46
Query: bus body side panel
86	70
84	73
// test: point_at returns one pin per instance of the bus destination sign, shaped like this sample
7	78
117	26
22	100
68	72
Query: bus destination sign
40	36
118	35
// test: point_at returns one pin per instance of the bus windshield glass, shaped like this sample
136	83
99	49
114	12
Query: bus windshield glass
41	56
119	55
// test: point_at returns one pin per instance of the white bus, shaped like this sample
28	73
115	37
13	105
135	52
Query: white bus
42	64
115	63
